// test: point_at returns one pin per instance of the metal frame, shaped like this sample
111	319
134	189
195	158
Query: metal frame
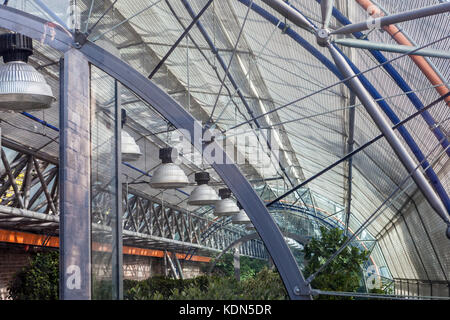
389	68
33	27
233	82
347	70
144	223
32	172
93	52
288	10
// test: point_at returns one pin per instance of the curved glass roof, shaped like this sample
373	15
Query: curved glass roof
244	69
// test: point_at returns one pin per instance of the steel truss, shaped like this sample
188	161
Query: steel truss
146	215
293	279
30	183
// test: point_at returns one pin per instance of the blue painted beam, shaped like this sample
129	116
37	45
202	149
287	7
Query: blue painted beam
403	85
440	190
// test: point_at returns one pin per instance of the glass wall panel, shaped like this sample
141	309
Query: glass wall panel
62	12
104	186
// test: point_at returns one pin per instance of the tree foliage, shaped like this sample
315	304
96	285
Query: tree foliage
37	281
249	267
343	273
265	285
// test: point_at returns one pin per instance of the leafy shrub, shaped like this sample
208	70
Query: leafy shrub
343	273
224	267
39	280
265	285
159	287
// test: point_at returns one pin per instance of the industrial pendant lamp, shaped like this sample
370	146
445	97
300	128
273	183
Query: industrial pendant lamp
130	149
22	87
250	227
226	206
241	217
168	175
203	194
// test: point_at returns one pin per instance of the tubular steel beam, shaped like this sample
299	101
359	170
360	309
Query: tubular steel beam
347	156
438	204
327	10
286	10
180	118
232	80
403	85
401	37
364	44
389	134
185	32
441	137
386	108
393	19
350	144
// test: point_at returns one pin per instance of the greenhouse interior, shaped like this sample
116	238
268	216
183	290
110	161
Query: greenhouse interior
232	149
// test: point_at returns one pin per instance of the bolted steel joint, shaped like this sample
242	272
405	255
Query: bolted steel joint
303	290
79	39
323	37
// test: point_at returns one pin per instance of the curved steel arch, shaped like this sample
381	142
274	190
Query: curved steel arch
434	179
62	40
403	85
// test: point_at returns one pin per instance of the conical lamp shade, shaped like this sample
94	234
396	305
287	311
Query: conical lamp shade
241	218
226	206
22	87
202	194
250	227
130	149
168	175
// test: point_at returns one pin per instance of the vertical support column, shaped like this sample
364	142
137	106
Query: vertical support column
116	224
178	264
350	144
74	178
237	263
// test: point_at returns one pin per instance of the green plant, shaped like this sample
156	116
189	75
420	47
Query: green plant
265	285
218	288
343	273
224	266
39	280
159	287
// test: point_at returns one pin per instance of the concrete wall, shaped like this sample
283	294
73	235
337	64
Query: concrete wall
12	260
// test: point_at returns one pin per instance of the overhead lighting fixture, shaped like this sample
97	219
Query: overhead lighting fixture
250	227
241	217
22	87
203	194
130	149
226	206
168	175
